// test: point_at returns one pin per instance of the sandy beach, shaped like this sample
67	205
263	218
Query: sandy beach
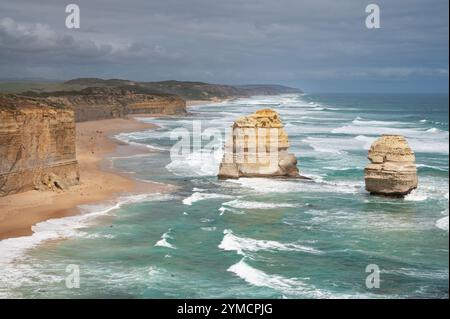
99	182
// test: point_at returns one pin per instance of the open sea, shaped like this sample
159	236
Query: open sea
258	238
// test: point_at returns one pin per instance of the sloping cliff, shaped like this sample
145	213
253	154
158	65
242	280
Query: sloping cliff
37	145
97	103
392	170
190	90
258	147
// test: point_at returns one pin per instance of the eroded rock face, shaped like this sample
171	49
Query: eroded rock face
258	148
392	170
98	103
37	146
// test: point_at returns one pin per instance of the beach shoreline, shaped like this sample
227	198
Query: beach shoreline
98	180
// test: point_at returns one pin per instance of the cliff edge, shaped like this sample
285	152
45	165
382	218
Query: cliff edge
98	103
37	145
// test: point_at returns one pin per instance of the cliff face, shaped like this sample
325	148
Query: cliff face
154	104
392	170
257	148
97	103
37	145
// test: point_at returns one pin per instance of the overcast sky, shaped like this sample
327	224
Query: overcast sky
317	45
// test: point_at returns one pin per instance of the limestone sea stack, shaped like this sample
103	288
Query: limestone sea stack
258	147
392	171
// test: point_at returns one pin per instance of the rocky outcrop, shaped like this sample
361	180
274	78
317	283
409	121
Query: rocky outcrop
97	103
37	145
258	147
392	170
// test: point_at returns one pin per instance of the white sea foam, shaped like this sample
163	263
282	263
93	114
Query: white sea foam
442	223
66	227
261	279
366	139
135	137
373	130
286	286
224	209
416	196
432	167
362	122
339	145
163	241
423	141
267	185
197	196
243	204
231	242
196	164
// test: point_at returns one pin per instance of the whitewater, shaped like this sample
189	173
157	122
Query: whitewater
258	238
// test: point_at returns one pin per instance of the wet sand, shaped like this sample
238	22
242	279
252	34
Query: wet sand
98	181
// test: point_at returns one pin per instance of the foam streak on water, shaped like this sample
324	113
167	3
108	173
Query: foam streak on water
260	237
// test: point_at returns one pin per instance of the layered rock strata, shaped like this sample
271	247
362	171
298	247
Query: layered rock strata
258	147
97	103
37	145
392	170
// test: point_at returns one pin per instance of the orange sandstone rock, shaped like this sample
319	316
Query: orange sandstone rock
258	147
392	170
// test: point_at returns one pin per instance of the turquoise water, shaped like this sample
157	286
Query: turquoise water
259	238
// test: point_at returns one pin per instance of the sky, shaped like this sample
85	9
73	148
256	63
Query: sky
315	45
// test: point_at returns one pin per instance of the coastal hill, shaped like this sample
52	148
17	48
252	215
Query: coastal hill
186	89
192	90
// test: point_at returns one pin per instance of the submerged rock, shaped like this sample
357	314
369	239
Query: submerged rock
258	148
392	170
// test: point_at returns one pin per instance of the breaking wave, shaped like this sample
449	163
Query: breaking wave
163	241
197	196
231	242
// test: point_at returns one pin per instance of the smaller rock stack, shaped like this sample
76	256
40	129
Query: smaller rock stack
258	148
392	171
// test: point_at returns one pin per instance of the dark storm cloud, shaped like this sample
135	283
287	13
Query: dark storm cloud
311	44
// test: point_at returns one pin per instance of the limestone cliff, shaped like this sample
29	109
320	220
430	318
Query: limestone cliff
37	145
258	148
392	170
97	103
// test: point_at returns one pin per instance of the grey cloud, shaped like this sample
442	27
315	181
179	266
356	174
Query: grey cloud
291	42
38	38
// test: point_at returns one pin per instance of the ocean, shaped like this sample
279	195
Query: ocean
258	238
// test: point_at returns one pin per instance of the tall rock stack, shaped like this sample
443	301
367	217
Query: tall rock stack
258	148
392	171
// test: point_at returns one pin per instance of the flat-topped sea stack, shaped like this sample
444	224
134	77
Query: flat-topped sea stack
258	147
392	171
